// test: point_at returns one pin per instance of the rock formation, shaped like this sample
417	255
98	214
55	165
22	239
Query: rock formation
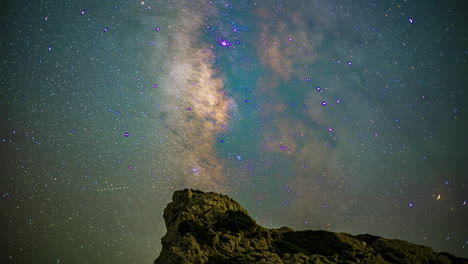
213	228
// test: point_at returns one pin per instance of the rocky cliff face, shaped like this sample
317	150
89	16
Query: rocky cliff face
213	228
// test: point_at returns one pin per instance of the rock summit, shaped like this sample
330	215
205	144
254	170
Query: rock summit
213	228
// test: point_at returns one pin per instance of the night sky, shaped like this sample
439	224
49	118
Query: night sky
348	116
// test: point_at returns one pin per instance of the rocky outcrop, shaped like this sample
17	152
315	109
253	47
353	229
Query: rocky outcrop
213	228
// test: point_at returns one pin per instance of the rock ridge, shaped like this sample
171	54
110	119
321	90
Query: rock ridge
213	228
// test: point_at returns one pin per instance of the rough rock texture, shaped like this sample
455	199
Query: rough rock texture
213	228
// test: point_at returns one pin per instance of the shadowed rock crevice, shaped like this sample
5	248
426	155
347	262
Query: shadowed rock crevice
213	228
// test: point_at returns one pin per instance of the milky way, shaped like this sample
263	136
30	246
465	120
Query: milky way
333	115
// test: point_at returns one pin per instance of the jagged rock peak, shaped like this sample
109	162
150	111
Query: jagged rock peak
213	228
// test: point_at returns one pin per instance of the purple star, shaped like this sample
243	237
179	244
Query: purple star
224	43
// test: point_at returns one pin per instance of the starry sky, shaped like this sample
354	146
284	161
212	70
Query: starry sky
341	115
